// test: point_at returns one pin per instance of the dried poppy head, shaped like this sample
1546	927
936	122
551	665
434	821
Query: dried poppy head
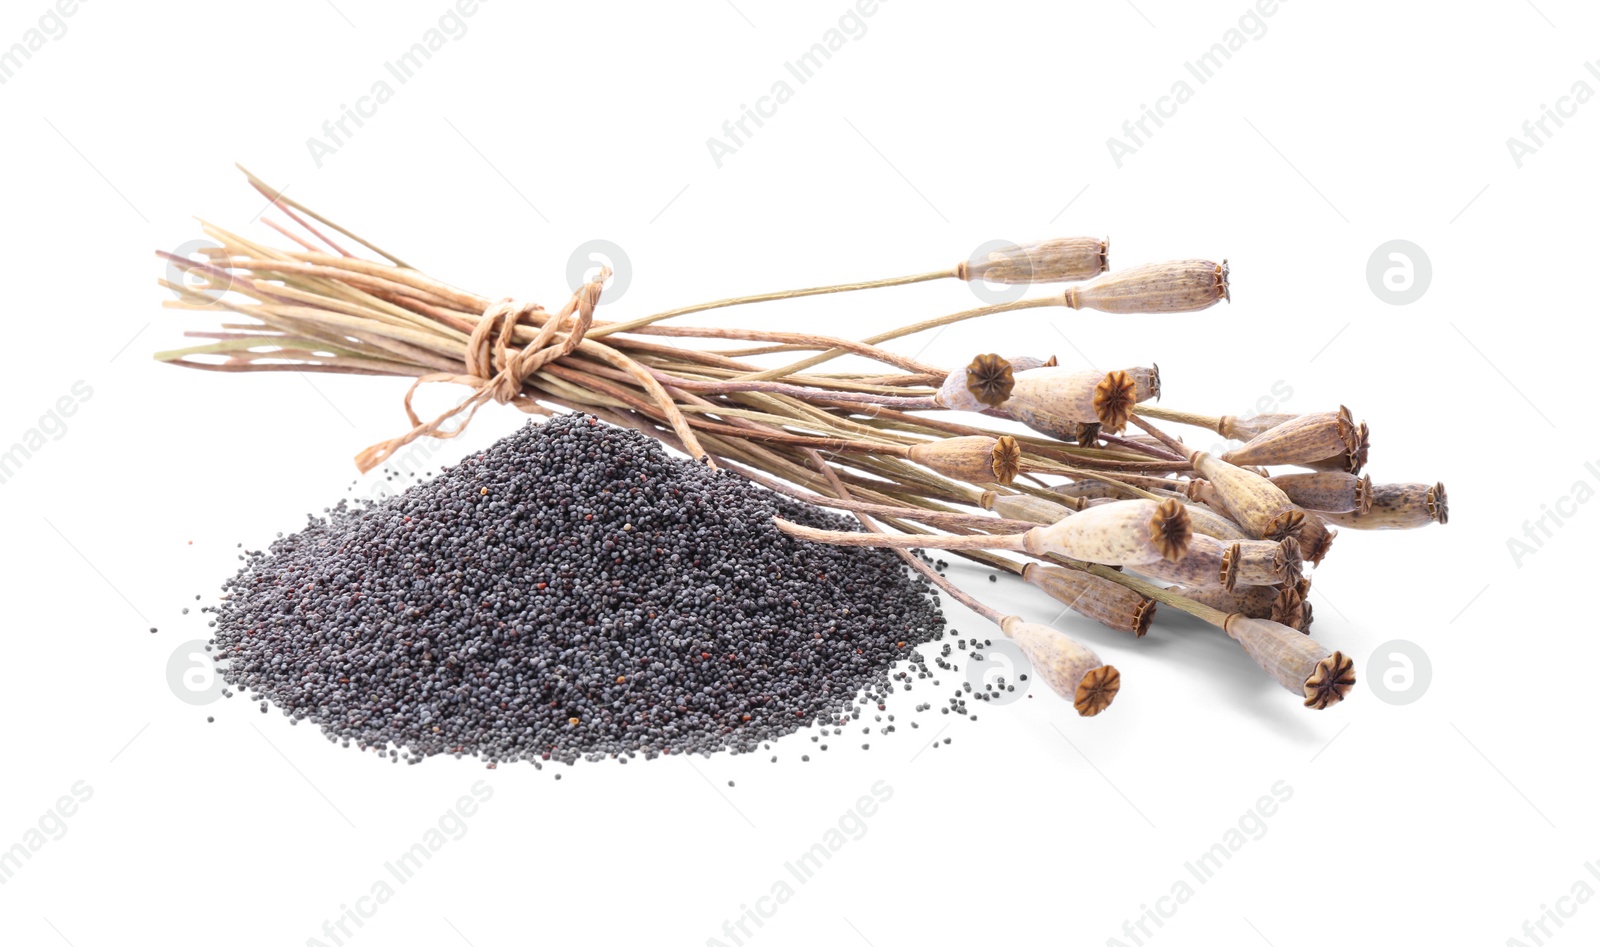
1170	531
1228	568
1114	399
990	380
1286	523
1438	504
1007	459
1293	560
1087	434
1364	493
1097	690
1289	609
1316	539
1330	681
1176	286
1046	261
1069	668
1143	615
1358	453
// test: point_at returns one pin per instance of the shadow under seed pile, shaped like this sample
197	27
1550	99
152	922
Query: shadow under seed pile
573	591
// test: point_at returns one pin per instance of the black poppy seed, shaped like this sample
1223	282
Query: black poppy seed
571	571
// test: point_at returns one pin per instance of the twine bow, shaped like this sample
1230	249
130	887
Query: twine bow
496	367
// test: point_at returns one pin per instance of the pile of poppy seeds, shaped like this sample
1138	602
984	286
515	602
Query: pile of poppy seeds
572	592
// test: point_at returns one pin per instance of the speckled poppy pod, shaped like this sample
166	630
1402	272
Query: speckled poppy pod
1350	460
1263	562
1108	603
1071	669
1286	606
975	458
1056	401
1124	533
1021	506
1399	506
1327	491
986	382
1179	286
1063	260
1251	601
1315	537
1306	439
1294	660
1251	500
1204	566
1089	490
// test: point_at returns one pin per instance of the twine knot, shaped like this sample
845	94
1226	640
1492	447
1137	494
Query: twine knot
496	366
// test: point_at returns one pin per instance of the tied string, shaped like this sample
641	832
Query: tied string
496	367
499	370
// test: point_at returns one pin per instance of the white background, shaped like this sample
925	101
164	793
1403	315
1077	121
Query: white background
1453	819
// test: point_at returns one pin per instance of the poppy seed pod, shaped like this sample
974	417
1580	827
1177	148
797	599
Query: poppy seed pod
1399	506
975	458
1315	537
1088	490
1021	506
1071	670
985	383
1349	460
1327	491
1294	660
1108	603
1264	562
1059	402
1124	533
1063	260
1251	601
1179	286
1250	500
1205	565
1306	439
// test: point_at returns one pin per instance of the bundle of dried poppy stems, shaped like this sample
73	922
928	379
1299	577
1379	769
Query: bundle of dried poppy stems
1106	520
